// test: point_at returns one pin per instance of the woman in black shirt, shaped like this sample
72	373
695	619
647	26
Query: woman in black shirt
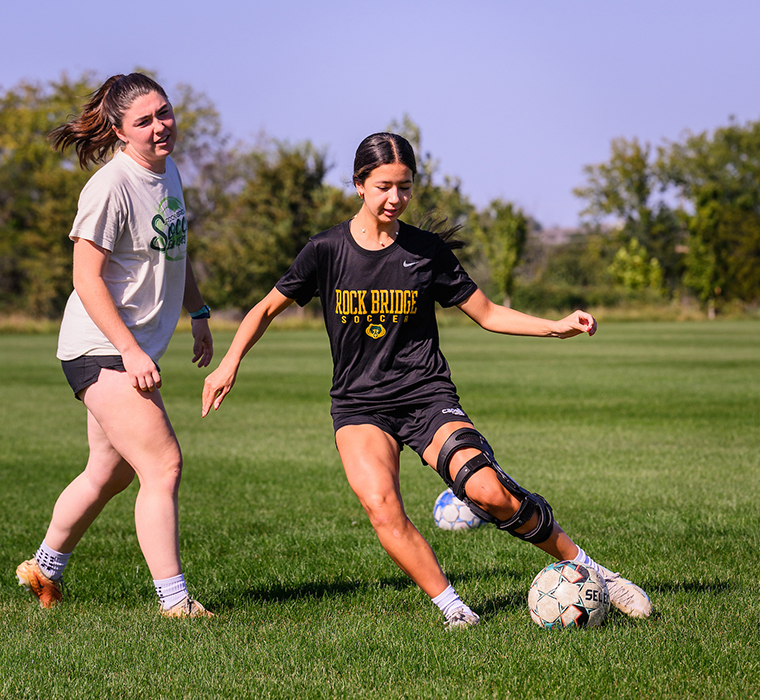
378	280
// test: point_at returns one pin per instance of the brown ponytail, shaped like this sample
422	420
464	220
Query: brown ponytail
91	132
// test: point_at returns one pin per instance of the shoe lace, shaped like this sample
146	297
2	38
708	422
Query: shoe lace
458	617
617	588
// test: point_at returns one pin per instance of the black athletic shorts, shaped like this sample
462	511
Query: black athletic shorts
414	425
85	370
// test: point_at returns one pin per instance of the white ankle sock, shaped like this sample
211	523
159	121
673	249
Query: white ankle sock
51	563
171	590
448	601
586	560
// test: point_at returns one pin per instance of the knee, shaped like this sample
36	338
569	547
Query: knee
383	510
163	476
172	472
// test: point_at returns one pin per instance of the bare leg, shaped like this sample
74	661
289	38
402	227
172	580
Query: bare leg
371	460
105	475
128	430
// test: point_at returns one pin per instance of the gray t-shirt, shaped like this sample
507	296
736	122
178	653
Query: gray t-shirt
139	216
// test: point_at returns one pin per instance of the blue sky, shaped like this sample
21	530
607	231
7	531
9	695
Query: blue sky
513	98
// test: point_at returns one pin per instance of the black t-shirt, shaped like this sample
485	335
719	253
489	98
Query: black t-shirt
379	310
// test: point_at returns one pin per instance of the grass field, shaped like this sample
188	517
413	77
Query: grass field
645	439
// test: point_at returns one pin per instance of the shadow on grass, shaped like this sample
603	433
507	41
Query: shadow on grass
312	590
696	587
716	586
512	599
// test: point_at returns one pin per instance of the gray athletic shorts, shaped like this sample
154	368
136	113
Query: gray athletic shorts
413	425
85	370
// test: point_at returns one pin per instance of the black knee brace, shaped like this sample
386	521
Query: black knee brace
530	503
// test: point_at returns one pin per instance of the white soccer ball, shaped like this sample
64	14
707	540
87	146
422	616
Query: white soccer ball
568	594
450	513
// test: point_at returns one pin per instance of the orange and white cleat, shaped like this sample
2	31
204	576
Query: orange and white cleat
45	590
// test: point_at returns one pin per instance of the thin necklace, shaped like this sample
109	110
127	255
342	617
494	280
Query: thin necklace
382	243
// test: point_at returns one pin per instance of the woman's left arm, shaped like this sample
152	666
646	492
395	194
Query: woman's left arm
501	319
203	345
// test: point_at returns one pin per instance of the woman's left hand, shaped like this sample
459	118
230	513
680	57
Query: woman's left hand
203	345
576	323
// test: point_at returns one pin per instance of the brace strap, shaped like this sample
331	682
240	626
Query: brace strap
529	502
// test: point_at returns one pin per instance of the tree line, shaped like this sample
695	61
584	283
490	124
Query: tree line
678	221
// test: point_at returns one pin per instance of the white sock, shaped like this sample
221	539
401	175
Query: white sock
51	563
171	590
586	560
449	601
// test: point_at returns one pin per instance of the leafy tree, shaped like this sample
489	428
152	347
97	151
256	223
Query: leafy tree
502	232
623	186
268	202
718	174
39	189
739	228
630	188
701	274
633	270
201	139
582	260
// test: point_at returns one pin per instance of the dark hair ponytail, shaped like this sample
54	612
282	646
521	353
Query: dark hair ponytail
430	222
91	132
382	149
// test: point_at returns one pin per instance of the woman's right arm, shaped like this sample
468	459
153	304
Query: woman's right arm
90	262
220	382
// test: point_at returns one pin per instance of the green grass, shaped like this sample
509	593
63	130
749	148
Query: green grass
645	440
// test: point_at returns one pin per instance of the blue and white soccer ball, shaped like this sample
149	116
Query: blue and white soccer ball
568	594
450	513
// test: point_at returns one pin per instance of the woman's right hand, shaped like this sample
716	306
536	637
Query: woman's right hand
220	382
141	369
217	385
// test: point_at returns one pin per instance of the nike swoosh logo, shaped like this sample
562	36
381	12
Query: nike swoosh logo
410	264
